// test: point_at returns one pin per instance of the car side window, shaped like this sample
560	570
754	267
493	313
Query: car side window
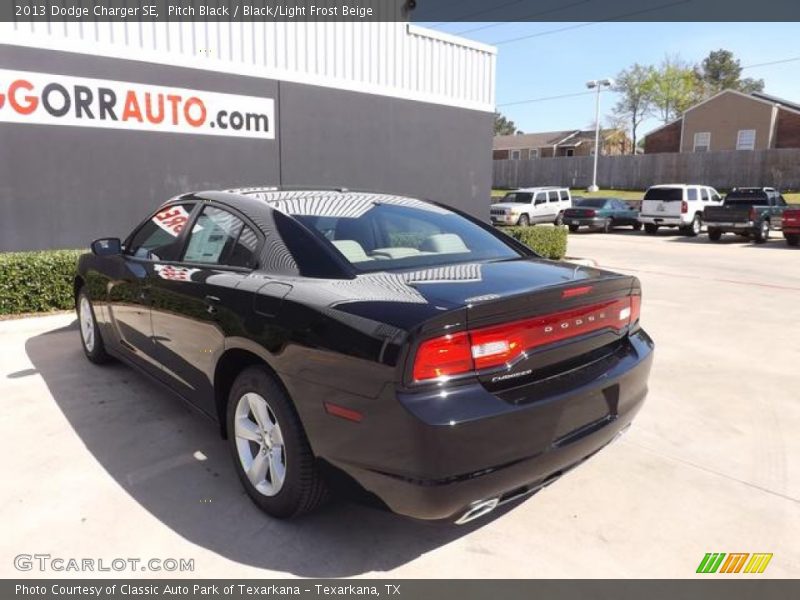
221	238
691	194
564	195
541	198
780	200
553	196
704	195
157	239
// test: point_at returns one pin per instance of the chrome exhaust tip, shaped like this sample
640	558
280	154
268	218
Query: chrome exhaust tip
478	509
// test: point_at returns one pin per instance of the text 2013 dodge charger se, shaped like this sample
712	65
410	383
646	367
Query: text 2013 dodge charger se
390	341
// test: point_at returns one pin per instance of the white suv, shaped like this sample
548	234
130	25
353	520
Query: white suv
677	205
528	206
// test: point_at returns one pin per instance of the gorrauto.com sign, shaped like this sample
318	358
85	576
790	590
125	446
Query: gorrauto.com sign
45	99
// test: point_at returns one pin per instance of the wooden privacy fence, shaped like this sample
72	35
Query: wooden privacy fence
722	170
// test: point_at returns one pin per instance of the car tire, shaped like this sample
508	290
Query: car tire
270	451
524	221
714	235
651	228
608	225
91	340
559	219
637	226
762	235
793	239
694	229
573	228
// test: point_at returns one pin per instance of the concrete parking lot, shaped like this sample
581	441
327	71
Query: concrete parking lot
100	463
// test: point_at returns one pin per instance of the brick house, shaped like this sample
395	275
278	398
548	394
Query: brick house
574	142
730	120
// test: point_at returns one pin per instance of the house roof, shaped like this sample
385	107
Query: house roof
776	100
569	138
530	140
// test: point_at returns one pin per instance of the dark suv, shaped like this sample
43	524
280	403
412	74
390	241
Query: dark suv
433	360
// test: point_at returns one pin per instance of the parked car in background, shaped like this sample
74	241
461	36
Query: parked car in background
746	211
677	205
438	363
791	225
529	206
601	213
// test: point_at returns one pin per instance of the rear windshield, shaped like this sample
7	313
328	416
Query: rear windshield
591	202
664	194
524	197
374	236
746	198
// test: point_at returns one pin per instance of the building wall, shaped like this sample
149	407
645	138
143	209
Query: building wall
666	139
723	117
62	186
787	129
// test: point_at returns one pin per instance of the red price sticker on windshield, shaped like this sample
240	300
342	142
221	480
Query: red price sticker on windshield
172	220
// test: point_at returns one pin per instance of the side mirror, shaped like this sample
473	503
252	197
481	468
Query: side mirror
107	246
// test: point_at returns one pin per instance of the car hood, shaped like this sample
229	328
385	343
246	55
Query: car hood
510	205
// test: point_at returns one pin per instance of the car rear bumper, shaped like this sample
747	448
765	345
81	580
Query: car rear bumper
791	229
729	226
492	449
663	221
585	221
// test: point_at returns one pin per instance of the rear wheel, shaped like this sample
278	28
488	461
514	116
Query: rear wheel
792	239
91	340
573	228
651	228
608	225
559	219
762	235
524	221
270	451
695	227
637	226
714	235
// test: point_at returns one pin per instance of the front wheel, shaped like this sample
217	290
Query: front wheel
524	221
651	228
270	451
793	239
714	235
762	235
91	340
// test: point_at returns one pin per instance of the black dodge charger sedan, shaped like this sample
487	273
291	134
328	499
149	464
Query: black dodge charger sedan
383	340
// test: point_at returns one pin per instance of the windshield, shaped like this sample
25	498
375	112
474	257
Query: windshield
591	202
523	197
664	194
373	236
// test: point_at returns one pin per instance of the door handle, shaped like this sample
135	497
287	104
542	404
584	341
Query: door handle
212	302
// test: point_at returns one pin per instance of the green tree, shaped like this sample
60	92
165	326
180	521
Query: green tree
503	126
635	86
675	87
720	70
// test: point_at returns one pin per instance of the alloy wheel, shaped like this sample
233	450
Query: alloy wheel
87	323
259	444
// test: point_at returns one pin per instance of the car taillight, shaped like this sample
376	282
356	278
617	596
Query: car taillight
684	207
493	346
591	213
443	356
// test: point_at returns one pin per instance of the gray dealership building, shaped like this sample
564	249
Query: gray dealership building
100	122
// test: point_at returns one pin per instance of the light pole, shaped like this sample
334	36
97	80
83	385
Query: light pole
597	84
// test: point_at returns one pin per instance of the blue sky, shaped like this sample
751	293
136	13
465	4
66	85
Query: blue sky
561	63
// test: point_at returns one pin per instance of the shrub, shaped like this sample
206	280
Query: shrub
37	281
550	242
